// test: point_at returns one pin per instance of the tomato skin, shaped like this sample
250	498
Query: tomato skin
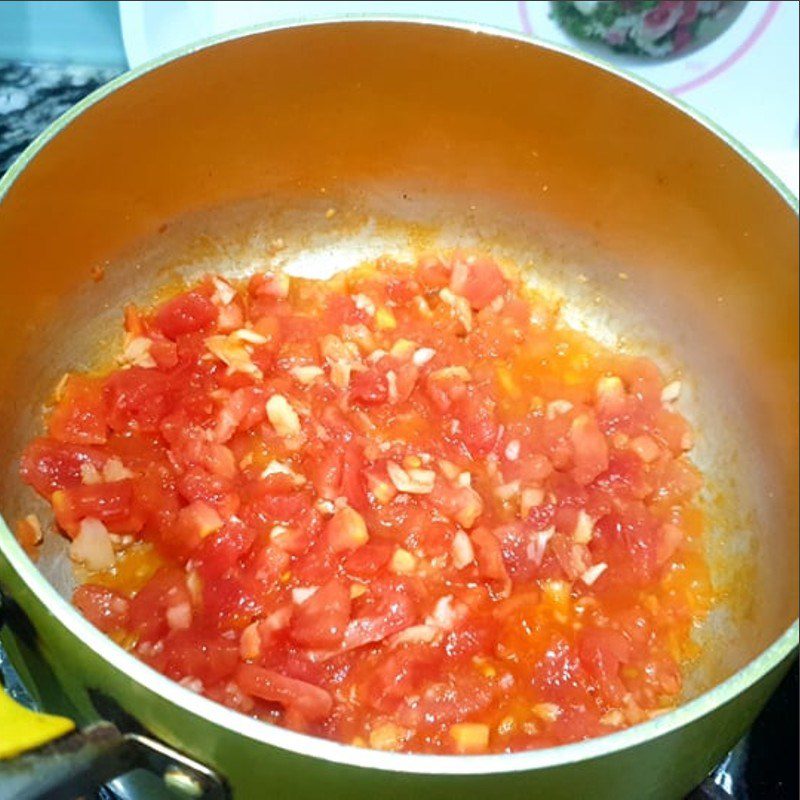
80	416
187	313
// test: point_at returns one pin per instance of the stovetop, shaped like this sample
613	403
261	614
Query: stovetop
763	766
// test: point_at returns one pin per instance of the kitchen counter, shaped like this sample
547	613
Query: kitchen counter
33	95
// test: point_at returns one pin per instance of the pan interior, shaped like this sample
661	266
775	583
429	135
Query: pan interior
621	305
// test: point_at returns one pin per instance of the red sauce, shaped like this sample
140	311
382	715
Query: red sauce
405	508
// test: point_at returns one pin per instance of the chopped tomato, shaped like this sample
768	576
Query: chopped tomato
187	313
80	416
148	609
311	702
381	617
49	465
103	607
136	399
407	508
111	503
480	281
207	657
320	621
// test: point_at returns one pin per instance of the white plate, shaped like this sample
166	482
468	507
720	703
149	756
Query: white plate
746	80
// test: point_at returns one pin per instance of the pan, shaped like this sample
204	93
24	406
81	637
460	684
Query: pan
352	139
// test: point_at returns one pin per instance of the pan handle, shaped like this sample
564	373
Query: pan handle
44	757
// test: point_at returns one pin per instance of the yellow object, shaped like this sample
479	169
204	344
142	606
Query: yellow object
508	384
22	729
384	319
470	737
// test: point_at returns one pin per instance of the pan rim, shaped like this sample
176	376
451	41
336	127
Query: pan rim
149	679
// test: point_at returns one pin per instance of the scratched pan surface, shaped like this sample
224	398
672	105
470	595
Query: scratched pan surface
353	140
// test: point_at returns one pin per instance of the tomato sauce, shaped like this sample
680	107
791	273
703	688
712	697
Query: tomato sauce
406	508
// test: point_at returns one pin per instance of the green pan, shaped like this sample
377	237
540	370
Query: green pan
351	139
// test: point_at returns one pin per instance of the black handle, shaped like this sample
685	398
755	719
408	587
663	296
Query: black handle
80	763
70	767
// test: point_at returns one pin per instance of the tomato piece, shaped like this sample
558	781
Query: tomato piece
80	415
630	541
366	561
369	388
339	472
625	476
156	499
590	455
401	674
234	601
477	423
244	409
490	559
137	399
433	273
111	503
148	609
471	638
460	503
480	281
48	465
383	616
220	550
103	607
321	620
602	652
311	702
217	491
187	313
206	656
268	284
458	697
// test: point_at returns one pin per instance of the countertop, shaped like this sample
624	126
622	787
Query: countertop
33	95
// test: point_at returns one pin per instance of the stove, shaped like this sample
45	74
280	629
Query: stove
763	766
